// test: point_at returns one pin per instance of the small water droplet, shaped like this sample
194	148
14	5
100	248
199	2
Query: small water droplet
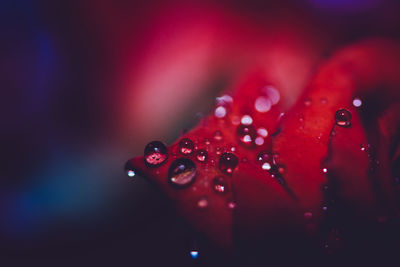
266	166
324	208
262	132
224	99
343	117
202	203
206	141
129	169
228	162
186	146
263	157
324	101
246	120
232	205
218	135
155	154
220	185
220	112
259	141
307	102
182	173
201	155
272	93
194	254
262	104
233	148
324	170
357	102
246	134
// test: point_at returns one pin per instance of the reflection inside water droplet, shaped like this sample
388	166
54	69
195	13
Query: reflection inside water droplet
182	173
155	154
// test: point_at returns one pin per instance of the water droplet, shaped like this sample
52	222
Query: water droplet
266	166
233	148
202	203
262	132
262	104
220	112
324	170
324	101
263	157
307	102
228	162
324	208
194	254
206	141
246	135
186	146
220	185
155	154
308	215
272	93
232	205
246	120
259	141
129	169
182	173
343	117
357	102
217	135
224	99
202	155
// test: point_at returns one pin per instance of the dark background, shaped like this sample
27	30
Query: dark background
80	95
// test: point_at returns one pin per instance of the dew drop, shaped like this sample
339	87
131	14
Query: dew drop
129	169
202	203
263	157
194	254
324	170
201	155
262	104
307	102
259	141
246	134
155	154
272	93
186	146
357	102
246	120
220	112
262	132
206	141
266	166
218	135
324	101
343	117
220	185
232	205
182	173
228	162
224	99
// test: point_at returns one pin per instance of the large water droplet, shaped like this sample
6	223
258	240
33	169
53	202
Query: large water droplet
228	162
186	146
343	117
202	155
220	185
155	154
129	169
182	173
246	134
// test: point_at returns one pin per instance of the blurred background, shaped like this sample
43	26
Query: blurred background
86	84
